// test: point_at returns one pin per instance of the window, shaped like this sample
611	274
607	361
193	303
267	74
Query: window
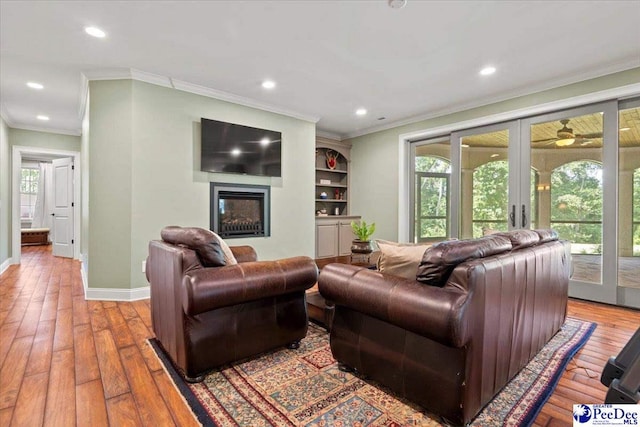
28	192
432	172
636	212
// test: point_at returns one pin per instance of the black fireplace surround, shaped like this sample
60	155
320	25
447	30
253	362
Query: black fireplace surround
240	210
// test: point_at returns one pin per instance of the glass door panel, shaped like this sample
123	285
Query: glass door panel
567	157
431	195
629	204
484	183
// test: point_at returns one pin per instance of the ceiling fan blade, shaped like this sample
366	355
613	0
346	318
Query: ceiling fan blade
544	140
589	135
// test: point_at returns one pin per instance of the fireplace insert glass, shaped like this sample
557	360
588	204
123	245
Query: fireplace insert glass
239	210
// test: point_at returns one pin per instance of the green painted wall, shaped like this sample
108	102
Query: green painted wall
5	192
144	144
84	196
30	138
375	157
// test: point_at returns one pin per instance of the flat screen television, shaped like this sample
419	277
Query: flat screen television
233	148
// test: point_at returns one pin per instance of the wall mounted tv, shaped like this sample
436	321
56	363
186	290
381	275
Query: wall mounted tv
233	148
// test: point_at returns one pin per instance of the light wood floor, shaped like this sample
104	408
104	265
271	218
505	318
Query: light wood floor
67	361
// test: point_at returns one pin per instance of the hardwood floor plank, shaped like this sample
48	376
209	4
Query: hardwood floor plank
29	409
80	311
99	319
42	349
142	307
49	307
61	395
181	414
115	380
151	407
7	333
127	310
5	416
63	336
87	368
13	370
121	331
91	408
29	322
141	334
122	411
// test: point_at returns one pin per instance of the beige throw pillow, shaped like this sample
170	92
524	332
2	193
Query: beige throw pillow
400	259
229	258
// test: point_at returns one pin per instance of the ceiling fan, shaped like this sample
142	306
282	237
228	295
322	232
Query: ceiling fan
566	137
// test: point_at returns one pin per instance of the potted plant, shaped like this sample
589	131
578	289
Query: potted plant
363	232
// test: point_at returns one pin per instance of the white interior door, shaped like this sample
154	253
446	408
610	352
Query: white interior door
62	231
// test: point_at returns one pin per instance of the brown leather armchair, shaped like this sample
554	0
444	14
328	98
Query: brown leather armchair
207	316
450	340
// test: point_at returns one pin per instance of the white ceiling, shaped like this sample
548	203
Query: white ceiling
327	57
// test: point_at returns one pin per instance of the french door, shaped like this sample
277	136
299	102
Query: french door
563	170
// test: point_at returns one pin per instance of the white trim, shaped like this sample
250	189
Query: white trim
404	231
620	92
576	101
18	151
5	265
45	129
84	95
154	79
240	100
329	135
107	294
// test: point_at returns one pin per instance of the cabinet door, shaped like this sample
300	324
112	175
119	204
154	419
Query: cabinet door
346	237
326	240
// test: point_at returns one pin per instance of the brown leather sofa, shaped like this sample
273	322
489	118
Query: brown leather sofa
451	341
206	315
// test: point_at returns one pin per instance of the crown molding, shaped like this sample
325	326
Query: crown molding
530	90
5	116
143	76
236	99
46	129
329	135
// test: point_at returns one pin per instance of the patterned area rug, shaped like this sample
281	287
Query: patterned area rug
304	387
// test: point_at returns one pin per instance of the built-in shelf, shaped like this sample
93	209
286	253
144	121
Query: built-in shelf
331	185
331	200
330	170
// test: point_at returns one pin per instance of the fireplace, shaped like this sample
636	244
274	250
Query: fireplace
239	210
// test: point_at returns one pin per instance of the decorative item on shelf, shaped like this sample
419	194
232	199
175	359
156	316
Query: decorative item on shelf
363	232
325	182
322	212
332	159
336	211
336	194
323	195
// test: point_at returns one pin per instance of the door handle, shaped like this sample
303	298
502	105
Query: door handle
524	217
512	215
53	214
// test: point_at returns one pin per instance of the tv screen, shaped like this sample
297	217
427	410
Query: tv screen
232	148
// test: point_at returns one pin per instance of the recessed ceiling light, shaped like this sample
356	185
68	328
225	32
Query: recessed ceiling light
34	85
236	152
265	141
361	111
268	84
95	32
41	117
397	4
624	129
487	71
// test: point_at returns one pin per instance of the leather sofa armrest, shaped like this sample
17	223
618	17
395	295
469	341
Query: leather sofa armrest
209	288
433	312
244	253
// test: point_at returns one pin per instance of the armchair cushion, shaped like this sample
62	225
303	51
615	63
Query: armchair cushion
211	249
439	260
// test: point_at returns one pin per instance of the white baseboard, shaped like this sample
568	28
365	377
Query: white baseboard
109	294
5	265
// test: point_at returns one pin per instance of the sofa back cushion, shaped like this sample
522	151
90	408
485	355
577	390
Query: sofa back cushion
522	238
400	259
439	260
205	243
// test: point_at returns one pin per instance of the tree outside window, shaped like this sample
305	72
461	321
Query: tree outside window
28	192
